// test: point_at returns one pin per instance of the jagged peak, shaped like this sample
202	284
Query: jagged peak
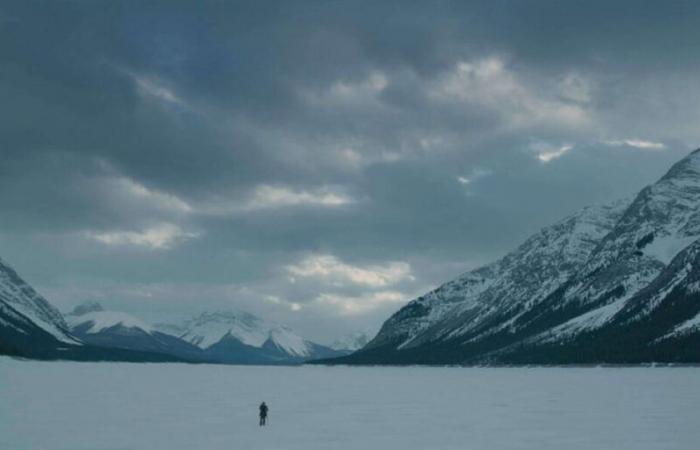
210	327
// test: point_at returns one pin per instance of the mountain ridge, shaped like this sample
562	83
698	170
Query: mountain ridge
564	284
236	336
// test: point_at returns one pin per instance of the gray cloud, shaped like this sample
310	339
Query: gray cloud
171	157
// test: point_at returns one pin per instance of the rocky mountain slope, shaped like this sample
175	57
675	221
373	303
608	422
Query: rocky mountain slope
607	271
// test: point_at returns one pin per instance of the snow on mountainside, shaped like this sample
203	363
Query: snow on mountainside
289	342
570	283
235	336
209	328
113	329
31	327
98	321
231	337
490	298
663	219
659	323
351	342
21	301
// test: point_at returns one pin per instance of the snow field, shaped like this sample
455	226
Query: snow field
101	406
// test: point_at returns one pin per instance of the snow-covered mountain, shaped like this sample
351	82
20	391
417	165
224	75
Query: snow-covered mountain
660	323
490	299
29	325
222	336
351	342
95	326
96	321
239	337
33	328
605	271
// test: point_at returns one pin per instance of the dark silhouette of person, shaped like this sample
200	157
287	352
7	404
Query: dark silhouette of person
263	414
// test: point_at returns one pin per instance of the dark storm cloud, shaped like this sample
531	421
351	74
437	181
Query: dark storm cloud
178	155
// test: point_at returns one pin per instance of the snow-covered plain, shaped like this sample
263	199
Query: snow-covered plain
100	406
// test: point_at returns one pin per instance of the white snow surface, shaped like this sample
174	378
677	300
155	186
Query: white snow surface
107	406
665	248
209	328
101	320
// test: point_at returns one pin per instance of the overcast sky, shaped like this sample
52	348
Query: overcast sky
320	163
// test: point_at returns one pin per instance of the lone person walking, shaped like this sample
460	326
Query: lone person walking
263	414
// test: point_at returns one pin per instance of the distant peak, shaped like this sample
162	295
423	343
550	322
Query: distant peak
352	341
101	320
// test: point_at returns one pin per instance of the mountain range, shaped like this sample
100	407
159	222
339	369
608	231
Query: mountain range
227	336
234	336
616	283
92	325
31	327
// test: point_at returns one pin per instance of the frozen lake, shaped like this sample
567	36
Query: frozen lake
75	406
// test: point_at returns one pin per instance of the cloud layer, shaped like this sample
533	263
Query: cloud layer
316	162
